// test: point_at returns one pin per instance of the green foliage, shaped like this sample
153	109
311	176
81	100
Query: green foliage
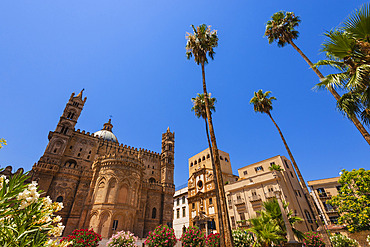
269	227
347	49
281	28
242	238
122	239
199	105
201	43
82	238
353	200
339	240
2	143
213	240
275	167
313	239
368	239
25	218
262	102
192	237
161	236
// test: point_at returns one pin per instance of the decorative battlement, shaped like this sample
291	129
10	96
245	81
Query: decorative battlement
8	173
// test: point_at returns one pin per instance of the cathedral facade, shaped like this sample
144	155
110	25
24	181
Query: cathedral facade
103	184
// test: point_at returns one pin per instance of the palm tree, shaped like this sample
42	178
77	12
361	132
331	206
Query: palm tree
200	44
263	103
281	28
199	109
348	50
270	227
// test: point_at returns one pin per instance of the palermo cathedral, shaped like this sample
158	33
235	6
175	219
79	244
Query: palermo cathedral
103	184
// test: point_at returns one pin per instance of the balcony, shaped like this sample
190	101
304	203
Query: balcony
324	195
239	201
242	223
270	195
255	198
331	211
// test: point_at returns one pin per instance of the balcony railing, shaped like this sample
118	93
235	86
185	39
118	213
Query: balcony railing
254	198
324	195
239	201
270	195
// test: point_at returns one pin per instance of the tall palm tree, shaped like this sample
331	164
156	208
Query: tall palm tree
281	28
348	50
263	103
200	44
199	108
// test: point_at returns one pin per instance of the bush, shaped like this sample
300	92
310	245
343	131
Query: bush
213	240
192	237
242	238
25	218
122	239
161	236
339	240
313	239
82	238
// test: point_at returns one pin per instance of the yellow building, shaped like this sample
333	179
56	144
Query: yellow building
201	189
322	190
258	184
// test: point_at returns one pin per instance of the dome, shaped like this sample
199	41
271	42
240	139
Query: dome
106	135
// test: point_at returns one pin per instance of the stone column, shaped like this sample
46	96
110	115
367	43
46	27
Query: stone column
290	234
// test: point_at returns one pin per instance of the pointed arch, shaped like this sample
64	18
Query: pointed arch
111	189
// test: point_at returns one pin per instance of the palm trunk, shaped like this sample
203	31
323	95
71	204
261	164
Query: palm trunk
226	231
304	187
354	119
215	181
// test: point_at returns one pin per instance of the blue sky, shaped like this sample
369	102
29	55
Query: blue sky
130	58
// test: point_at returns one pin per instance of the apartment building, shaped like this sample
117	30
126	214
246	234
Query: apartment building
181	211
322	190
257	184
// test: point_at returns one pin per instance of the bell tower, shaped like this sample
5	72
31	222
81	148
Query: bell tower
167	157
71	113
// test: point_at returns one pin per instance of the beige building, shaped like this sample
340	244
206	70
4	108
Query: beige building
322	190
201	189
258	184
102	183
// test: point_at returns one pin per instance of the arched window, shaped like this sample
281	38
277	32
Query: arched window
154	213
221	158
199	160
170	147
191	164
151	180
195	162
208	156
204	158
59	199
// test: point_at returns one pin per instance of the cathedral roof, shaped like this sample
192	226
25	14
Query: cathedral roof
106	133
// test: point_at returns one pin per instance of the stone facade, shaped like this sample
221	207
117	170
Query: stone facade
103	184
201	189
258	184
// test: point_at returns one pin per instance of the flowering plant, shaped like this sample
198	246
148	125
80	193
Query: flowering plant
242	238
122	239
25	218
161	236
192	237
313	239
339	240
82	238
213	240
368	239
